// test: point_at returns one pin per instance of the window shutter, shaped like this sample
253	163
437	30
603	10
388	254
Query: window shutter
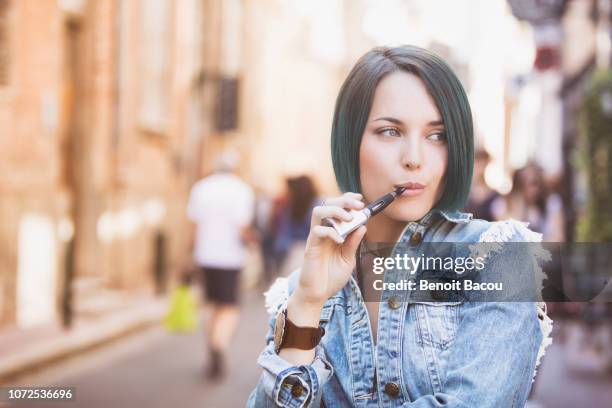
227	104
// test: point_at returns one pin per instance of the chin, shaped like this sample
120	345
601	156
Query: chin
407	212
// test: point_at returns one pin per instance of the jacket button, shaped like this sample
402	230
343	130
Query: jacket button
392	389
416	238
393	302
297	390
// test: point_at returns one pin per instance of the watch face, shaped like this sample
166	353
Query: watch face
279	330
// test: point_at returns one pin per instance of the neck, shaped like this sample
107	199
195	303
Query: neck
384	229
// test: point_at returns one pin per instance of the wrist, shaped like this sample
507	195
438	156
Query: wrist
303	313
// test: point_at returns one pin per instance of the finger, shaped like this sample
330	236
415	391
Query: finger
352	242
326	211
357	196
323	232
346	202
348	194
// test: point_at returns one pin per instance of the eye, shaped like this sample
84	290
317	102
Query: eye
389	132
438	136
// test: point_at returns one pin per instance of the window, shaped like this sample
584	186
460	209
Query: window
227	104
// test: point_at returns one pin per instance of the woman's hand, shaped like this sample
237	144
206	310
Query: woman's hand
328	261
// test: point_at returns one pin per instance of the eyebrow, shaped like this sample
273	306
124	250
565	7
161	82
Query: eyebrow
399	122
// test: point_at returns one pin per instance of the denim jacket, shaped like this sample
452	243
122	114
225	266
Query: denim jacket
428	354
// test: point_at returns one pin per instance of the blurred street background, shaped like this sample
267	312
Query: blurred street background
111	110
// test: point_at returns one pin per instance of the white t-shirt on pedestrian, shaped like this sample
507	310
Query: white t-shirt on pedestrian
220	205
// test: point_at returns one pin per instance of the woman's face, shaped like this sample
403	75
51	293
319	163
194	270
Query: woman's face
404	141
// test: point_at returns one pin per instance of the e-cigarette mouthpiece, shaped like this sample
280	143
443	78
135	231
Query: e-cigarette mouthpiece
344	228
384	201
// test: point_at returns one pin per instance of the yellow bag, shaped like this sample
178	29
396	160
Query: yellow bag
183	313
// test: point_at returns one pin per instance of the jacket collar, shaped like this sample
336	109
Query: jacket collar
449	215
454	216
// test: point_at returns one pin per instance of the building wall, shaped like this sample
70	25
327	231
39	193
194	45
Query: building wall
76	151
287	125
29	139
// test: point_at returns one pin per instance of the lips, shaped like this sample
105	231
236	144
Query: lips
412	186
412	189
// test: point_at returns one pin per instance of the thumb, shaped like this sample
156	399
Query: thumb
349	248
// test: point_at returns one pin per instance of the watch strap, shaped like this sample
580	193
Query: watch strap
303	338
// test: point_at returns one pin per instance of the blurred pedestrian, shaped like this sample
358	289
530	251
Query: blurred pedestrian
221	207
264	226
294	223
530	200
481	195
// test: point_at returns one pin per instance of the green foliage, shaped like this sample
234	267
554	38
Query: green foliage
596	146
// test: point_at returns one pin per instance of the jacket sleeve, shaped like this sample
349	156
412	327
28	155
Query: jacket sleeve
283	384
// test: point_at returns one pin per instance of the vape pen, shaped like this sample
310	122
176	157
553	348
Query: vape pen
344	228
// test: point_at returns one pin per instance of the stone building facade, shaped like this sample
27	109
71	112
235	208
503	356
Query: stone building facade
103	115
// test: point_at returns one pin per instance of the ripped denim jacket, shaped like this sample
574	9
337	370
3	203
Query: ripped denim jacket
429	354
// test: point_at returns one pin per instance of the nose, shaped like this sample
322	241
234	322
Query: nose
412	157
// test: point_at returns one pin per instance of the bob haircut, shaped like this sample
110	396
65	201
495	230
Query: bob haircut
355	101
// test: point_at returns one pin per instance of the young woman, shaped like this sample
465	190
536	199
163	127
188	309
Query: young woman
401	117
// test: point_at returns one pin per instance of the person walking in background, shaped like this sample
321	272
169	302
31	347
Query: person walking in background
263	226
530	200
481	195
221	207
269	232
294	223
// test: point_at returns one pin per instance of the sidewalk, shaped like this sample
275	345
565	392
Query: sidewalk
102	319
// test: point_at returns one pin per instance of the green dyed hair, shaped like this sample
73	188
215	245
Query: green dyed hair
355	101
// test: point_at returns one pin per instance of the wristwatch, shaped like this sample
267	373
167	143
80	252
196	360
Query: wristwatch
287	334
